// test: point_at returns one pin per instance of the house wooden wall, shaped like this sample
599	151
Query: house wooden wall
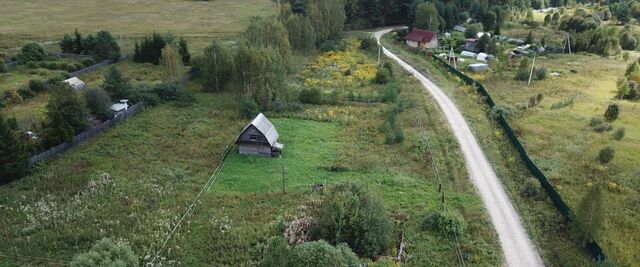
253	146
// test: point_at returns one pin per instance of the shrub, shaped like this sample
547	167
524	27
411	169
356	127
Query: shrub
36	85
32	65
86	62
369	45
3	66
532	189
116	84
612	112
523	70
106	253
606	155
170	91
298	231
627	41
320	253
25	92
498	111
145	96
31	52
599	125
382	77
446	223
619	133
389	93
249	107
310	96
98	102
276	253
541	73
353	214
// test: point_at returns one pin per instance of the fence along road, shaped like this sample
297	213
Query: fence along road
517	248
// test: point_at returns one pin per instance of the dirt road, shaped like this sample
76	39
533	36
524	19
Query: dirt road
517	248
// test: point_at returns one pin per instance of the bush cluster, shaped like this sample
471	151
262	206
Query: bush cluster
446	223
310	96
606	155
353	214
315	253
102	45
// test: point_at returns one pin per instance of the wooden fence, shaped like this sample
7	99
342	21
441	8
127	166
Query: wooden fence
86	135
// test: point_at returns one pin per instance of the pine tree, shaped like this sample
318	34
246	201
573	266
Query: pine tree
78	43
67	45
106	46
14	156
116	84
529	39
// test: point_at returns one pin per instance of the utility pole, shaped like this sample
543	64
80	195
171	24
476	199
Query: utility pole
532	66
379	53
283	190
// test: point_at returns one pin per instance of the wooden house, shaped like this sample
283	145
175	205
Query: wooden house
422	39
259	138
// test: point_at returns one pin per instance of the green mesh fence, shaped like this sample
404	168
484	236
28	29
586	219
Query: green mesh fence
564	209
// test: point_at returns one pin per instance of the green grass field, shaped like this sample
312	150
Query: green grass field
198	21
147	170
563	146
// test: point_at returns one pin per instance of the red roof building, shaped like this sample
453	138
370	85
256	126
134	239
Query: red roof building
422	38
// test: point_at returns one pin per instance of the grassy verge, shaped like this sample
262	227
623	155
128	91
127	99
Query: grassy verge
544	224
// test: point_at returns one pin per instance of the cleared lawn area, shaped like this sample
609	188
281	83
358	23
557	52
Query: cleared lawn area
34	20
560	141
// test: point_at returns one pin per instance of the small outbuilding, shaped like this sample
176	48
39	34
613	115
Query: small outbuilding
259	138
422	39
75	83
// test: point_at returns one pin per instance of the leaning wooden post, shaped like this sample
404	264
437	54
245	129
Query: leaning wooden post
283	190
532	66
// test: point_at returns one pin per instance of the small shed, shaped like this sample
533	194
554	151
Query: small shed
259	138
75	83
422	39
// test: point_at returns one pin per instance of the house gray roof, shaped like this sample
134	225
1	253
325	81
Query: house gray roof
265	127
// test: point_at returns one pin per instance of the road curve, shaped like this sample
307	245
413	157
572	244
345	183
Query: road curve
517	248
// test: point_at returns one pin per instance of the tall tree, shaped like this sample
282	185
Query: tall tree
67	44
66	115
14	156
265	75
106	46
264	33
183	49
217	66
116	84
78	42
327	18
427	17
301	33
171	63
590	214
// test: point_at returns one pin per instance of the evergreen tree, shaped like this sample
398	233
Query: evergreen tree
116	84
217	67
78	42
427	17
105	46
150	49
183	49
590	215
66	115
14	156
67	45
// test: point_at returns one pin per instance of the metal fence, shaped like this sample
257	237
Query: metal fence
562	207
86	135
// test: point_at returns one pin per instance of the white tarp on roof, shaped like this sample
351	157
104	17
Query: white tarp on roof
75	83
119	107
468	54
265	127
482	57
478	67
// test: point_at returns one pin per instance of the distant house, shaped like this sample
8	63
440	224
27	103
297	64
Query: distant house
75	83
423	39
259	138
470	45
